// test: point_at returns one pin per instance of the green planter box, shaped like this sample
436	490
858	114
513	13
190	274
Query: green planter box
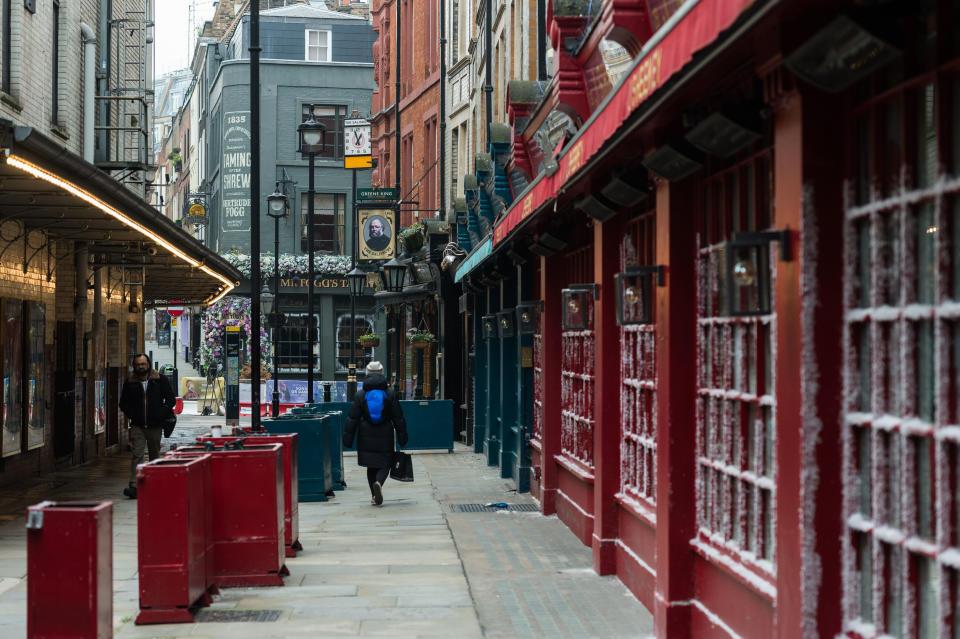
314	451
429	422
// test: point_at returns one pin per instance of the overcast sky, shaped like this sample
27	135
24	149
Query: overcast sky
172	18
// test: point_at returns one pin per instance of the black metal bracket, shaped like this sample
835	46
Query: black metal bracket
754	238
658	269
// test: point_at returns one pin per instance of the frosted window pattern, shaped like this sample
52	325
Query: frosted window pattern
902	359
638	433
736	494
577	372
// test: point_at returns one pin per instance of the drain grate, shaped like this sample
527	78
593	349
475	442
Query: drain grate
228	616
481	508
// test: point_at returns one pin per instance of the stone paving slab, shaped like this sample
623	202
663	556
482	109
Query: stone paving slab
412	568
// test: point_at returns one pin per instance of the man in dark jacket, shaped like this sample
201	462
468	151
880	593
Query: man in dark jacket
375	440
147	401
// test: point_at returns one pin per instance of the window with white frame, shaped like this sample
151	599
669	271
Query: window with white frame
317	46
328	213
901	433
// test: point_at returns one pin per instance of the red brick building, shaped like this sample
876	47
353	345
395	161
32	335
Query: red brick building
419	90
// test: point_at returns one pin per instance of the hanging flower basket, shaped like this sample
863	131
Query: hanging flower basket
421	339
369	341
412	238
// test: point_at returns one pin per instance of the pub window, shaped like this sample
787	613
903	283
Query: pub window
331	117
638	388
736	403
291	349
363	324
577	375
328	213
902	343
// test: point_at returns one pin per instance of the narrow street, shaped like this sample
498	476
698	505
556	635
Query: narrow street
414	567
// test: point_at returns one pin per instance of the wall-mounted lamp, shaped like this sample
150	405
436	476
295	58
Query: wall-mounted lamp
505	324
748	270
634	289
627	188
721	136
527	316
596	206
839	54
673	161
577	302
489	326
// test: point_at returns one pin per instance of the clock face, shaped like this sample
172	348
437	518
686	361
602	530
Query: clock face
357	141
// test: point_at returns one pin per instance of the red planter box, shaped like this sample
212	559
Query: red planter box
70	569
174	544
247	505
291	505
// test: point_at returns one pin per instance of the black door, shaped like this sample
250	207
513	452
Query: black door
64	378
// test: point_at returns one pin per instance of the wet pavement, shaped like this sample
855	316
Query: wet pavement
416	566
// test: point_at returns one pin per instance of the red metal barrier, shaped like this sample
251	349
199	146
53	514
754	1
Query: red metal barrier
247	505
174	544
291	506
246	408
70	569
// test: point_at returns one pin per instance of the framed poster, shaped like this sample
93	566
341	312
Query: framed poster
376	236
99	406
12	358
162	323
235	172
36	373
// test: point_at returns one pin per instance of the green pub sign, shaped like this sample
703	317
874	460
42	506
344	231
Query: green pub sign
377	194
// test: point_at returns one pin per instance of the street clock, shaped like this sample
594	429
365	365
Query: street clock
356	138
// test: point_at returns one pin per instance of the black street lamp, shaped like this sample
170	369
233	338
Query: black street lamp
313	140
357	279
276	208
392	274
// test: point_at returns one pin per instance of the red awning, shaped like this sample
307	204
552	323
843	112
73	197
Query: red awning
664	56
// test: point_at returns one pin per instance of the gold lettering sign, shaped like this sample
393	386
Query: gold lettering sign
645	79
527	208
574	160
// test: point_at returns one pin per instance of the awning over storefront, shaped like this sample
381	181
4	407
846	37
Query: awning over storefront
694	26
44	187
476	256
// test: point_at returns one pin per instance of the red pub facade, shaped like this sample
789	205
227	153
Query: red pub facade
740	380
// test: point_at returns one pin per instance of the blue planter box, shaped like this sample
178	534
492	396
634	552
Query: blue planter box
337	419
429	422
315	454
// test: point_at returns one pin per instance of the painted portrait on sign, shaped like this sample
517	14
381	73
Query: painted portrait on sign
376	234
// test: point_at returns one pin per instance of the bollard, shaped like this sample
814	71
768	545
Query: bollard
326	393
174	541
291	508
70	569
247	505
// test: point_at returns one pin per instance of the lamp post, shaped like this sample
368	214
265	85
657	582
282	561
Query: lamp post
356	277
276	208
392	274
313	140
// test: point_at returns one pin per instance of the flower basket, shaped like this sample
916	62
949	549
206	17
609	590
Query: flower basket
421	339
412	238
369	341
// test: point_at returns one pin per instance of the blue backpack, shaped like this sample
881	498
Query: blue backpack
375	402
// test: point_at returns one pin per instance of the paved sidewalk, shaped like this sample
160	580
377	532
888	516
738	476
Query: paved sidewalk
410	568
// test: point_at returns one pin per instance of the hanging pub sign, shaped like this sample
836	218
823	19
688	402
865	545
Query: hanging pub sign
376	237
235	172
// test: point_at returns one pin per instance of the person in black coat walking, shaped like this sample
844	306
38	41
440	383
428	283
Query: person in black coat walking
375	446
147	401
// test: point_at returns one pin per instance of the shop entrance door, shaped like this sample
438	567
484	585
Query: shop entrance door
64	376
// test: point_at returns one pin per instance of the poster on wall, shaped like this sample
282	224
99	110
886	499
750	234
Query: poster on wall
99	406
235	171
12	374
36	373
163	327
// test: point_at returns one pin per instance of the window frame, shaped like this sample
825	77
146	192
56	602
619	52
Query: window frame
338	226
333	149
307	45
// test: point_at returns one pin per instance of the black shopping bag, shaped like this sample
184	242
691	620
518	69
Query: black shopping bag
402	469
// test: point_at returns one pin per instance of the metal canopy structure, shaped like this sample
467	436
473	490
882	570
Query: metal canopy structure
51	198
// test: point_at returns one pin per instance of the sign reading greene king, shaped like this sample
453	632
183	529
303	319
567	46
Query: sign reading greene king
387	194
